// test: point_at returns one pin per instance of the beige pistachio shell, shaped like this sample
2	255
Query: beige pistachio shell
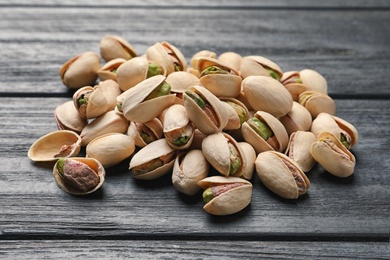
94	164
234	121
231	200
325	122
110	149
153	128
110	122
293	84
314	80
250	154
317	102
199	118
201	54
257	66
152	151
197	140
181	81
189	168
216	149
177	123
96	105
136	109
68	118
258	143
298	119
241	97
112	47
108	70
281	175
54	145
81	70
267	94
232	59
348	130
331	154
166	54
111	91
298	149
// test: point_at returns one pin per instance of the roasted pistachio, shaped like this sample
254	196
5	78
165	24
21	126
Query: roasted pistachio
113	46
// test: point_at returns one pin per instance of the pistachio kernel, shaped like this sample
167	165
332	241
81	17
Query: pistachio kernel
84	97
260	128
154	69
213	70
217	190
344	140
273	73
235	161
197	98
161	90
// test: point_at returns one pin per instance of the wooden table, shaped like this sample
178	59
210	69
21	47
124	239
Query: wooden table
346	42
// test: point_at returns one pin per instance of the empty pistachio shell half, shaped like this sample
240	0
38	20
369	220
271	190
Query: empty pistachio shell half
281	175
54	145
68	118
317	102
259	66
145	133
112	47
298	119
189	168
332	155
298	149
79	176
225	195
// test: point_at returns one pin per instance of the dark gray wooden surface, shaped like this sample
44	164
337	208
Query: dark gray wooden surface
347	42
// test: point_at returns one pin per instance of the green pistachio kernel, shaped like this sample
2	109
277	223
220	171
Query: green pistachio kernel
154	69
213	70
260	128
113	71
298	80
162	90
181	140
208	195
273	73
345	141
235	161
146	137
60	166
119	106
197	98
239	110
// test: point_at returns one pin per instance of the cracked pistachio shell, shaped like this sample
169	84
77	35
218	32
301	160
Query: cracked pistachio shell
250	154
81	70
280	137
232	59
259	66
197	115
92	163
298	149
133	72
54	145
267	94
96	104
111	91
317	102
112	47
217	152
155	151
281	175
332	155
181	81
108	70
110	122
68	118
232	194
110	149
298	119
234	121
134	106
153	129
201	54
348	130
168	56
189	168
221	85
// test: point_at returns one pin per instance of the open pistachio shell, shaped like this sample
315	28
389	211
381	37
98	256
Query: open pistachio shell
226	195
232	59
111	91
349	131
259	66
189	168
153	160
281	175
112	47
332	155
90	102
298	149
93	164
298	119
168	56
250	154
145	133
68	118
325	122
108	70
267	94
317	102
237	111
201	54
110	149
54	145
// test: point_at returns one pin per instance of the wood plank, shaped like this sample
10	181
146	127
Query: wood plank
350	48
355	208
182	249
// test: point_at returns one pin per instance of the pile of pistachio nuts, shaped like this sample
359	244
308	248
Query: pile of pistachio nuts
211	123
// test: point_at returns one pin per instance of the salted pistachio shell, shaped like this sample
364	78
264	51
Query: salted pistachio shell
250	154
267	94
80	70
325	122
168	56
145	133
198	115
54	145
224	154
83	170
110	149
229	194
113	46
90	102
136	108
332	155
317	102
232	59
178	129
110	122
348	132
189	168
108	70
259	66
201	54
298	149
68	118
298	119
278	141
111	91
281	175
153	160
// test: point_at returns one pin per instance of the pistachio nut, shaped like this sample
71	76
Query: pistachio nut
349	134
68	118
332	155
225	195
298	149
232	59
145	133
298	119
153	160
197	140
201	54
189	168
90	102
259	66
168	56
180	81
111	91
108	70
78	176
238	113
281	175
250	156
81	70
317	102
112	47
